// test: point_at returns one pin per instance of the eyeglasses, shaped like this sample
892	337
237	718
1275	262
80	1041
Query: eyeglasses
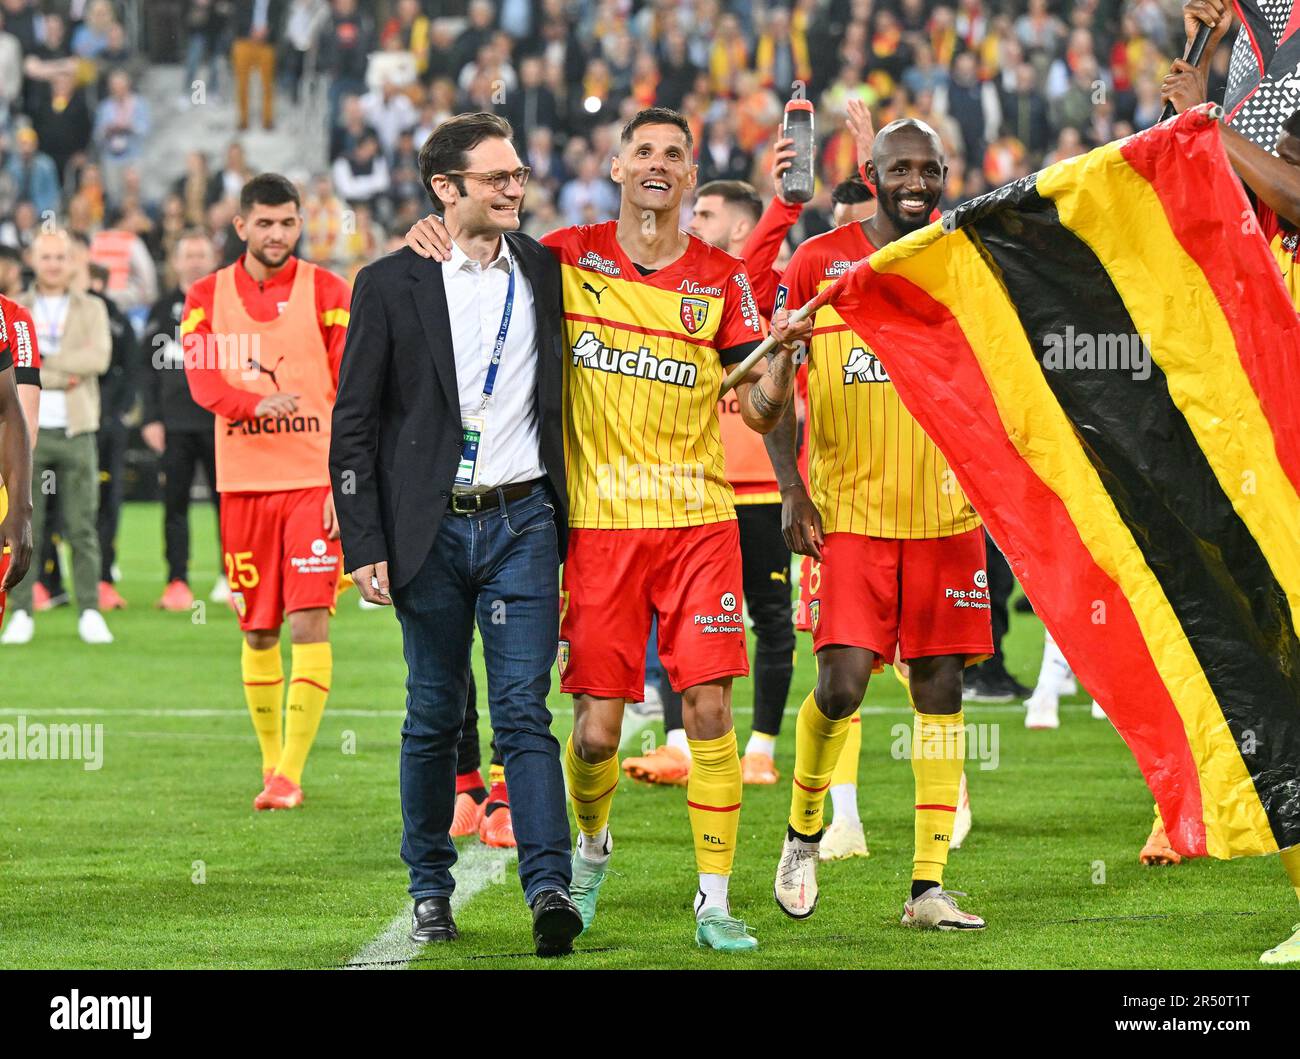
499	178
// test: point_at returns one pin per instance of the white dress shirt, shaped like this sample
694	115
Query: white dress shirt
509	450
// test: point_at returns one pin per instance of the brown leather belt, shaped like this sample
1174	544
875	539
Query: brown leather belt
477	503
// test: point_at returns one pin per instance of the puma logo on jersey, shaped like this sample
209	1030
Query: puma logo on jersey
597	293
590	352
864	366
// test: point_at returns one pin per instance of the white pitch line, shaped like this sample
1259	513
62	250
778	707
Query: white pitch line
562	711
477	867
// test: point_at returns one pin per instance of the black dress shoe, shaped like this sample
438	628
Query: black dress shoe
556	922
432	920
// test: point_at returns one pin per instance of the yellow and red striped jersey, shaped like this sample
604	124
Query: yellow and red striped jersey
1285	247
872	469
644	358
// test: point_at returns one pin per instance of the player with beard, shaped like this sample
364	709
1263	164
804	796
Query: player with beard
890	533
263	340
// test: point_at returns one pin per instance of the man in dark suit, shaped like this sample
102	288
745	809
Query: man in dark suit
448	467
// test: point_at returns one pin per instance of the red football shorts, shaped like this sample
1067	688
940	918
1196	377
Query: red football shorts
922	597
4	569
278	558
802	622
615	580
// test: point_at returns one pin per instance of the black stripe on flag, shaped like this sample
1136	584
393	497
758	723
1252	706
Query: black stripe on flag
1211	568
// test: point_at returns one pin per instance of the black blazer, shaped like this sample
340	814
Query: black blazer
396	436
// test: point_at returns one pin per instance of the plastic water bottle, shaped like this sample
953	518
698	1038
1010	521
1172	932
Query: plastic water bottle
797	181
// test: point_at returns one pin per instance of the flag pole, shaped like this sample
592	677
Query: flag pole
769	343
1195	51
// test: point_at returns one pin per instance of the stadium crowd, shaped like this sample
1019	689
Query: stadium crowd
1009	86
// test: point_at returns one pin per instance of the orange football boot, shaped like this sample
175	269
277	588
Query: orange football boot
109	597
758	769
497	829
1158	851
468	815
176	596
664	764
280	793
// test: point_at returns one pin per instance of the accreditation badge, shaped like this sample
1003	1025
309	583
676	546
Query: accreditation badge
471	437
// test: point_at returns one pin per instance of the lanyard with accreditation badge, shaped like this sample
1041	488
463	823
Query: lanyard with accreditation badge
472	426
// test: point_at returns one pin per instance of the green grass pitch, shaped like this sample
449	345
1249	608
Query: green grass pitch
157	860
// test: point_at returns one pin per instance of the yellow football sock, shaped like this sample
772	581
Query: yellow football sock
264	693
591	789
818	743
309	687
1291	862
938	758
846	767
713	801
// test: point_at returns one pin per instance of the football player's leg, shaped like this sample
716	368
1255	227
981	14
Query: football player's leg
1289	950
604	624
944	624
844	835
1157	850
766	561
250	541
310	570
471	792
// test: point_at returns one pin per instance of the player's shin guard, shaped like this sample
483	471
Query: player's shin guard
1291	862
846	766
264	692
818	744
309	687
591	789
938	758
713	802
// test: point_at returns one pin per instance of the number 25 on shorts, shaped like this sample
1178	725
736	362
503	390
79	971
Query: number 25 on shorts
240	571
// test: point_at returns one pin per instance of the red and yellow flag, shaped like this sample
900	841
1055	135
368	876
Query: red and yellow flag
1107	356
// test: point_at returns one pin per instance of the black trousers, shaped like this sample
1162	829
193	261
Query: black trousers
1001	582
765	562
469	752
186	451
112	459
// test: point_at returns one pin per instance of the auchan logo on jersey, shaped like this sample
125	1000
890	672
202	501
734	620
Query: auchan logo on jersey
590	352
863	366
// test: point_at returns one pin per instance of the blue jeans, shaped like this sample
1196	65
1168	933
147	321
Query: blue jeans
503	567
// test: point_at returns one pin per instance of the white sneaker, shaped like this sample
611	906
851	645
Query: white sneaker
961	823
92	628
21	628
845	838
220	592
1042	710
1098	714
796	878
936	910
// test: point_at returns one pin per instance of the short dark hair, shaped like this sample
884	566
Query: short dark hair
657	116
852	191
734	193
98	272
267	189
10	253
448	146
